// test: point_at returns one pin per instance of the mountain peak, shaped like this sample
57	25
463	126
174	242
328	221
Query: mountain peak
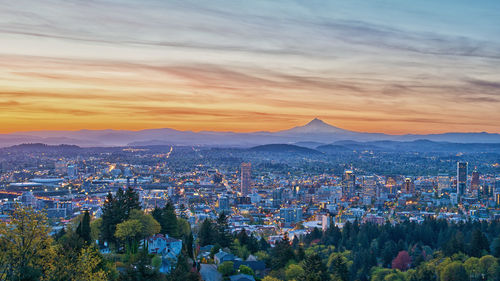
316	121
315	126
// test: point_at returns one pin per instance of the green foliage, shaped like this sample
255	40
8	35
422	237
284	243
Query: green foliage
454	271
293	272
314	269
338	266
116	209
168	220
281	253
83	229
226	268
206	234
243	269
25	246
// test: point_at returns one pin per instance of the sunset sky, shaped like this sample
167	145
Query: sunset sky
375	66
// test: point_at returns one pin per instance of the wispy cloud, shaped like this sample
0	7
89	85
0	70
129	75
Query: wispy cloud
207	65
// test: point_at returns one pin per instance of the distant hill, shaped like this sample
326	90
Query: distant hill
284	148
41	147
311	135
309	144
417	146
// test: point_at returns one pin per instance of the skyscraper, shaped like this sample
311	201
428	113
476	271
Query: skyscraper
348	184
246	178
408	186
443	183
461	178
474	182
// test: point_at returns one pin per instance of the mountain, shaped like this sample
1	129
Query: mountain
312	135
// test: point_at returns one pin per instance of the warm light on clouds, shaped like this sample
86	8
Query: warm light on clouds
377	66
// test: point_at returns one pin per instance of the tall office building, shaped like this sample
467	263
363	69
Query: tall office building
408	186
461	178
72	171
348	184
290	215
277	197
443	183
474	182
246	178
224	204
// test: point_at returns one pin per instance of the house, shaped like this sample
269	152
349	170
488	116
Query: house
222	256
256	266
242	277
164	245
167	247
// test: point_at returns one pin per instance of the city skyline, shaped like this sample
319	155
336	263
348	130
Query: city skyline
382	66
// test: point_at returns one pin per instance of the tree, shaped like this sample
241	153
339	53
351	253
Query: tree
223	234
269	278
83	229
95	229
169	221
130	201
314	269
402	261
454	271
90	266
149	225
245	270
130	231
116	209
206	233
293	272
25	246
226	268
189	245
281	253
141	270
495	247
478	244
337	265
488	266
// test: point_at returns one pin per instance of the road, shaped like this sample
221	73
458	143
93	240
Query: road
209	272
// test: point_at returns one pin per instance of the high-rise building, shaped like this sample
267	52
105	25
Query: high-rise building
474	182
408	186
72	171
60	167
277	197
370	186
348	184
461	178
246	178
223	204
290	215
443	183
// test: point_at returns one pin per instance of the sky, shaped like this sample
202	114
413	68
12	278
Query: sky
394	67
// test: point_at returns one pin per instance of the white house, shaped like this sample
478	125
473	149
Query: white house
167	247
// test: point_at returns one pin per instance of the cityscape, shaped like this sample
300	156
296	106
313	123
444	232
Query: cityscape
242	141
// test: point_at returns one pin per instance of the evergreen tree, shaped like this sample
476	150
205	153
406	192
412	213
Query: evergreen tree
206	233
223	234
281	253
168	221
478	244
130	202
338	267
314	269
85	228
109	219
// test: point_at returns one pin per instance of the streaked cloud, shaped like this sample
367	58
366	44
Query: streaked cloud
378	66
